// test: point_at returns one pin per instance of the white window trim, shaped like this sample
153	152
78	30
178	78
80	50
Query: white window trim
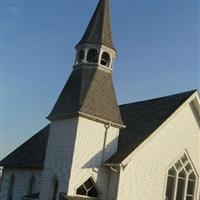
193	169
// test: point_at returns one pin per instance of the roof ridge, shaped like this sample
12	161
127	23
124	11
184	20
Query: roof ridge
162	97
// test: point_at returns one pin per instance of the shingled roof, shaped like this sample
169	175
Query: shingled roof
88	91
99	29
29	154
141	120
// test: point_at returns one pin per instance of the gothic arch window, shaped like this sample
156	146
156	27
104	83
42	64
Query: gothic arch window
31	185
11	186
88	189
105	59
80	56
181	180
54	188
92	56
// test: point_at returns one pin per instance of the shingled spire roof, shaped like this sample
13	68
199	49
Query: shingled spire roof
99	29
88	92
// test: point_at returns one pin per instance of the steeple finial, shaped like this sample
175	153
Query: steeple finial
99	29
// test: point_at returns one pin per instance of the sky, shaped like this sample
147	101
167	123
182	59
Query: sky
157	42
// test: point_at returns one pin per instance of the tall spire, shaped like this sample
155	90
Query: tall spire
99	29
89	92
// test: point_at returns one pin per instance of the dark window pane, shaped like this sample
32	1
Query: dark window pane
88	184
92	56
105	59
180	189
191	186
192	176
172	171
81	190
182	174
88	189
178	165
188	167
184	158
92	192
170	187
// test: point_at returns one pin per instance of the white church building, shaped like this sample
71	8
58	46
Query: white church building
95	149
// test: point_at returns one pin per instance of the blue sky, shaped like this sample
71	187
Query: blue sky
158	44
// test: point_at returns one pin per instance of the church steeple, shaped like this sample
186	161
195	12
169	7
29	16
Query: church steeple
99	29
89	91
96	46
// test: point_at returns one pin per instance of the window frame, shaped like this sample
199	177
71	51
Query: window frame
87	190
188	173
108	59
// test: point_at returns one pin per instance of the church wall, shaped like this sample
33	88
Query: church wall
88	155
145	176
22	177
59	153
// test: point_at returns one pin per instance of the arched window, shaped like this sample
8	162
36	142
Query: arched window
80	56
92	56
54	189
11	186
105	59
88	189
181	181
31	185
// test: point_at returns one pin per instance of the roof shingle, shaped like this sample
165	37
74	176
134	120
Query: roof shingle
141	120
90	91
99	29
29	154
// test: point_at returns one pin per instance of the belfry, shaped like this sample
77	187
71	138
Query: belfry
89	92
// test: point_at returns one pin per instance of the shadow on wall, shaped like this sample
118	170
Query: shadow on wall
102	180
103	173
102	156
